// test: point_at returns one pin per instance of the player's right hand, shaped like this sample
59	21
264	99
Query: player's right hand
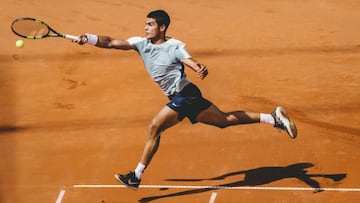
82	39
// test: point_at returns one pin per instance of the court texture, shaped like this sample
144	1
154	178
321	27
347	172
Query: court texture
72	116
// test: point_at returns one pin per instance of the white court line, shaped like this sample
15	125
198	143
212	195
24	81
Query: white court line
60	196
223	187
213	197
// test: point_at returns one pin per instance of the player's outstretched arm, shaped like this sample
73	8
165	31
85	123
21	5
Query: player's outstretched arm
199	68
104	42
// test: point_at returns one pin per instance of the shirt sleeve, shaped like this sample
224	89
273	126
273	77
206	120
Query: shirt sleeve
134	41
181	52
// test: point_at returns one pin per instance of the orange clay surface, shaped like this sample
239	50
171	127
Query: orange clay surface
72	115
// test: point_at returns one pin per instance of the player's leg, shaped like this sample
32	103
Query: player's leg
278	118
214	116
163	120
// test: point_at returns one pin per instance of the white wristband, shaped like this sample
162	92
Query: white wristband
92	39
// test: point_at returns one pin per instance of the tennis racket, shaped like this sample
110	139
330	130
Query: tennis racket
31	28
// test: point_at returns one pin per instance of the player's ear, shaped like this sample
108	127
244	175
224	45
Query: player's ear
162	28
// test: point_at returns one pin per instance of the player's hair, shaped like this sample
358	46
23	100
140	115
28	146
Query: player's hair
161	17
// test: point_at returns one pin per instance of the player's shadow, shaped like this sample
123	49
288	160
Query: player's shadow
255	177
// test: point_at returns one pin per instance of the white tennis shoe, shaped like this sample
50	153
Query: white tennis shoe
283	122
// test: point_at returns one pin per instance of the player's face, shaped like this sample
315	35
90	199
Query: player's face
152	30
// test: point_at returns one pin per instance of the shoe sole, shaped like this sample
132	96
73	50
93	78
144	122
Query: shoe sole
117	177
289	124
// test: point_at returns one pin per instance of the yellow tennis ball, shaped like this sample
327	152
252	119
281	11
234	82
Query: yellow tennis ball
19	43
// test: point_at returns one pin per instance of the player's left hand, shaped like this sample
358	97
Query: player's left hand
202	71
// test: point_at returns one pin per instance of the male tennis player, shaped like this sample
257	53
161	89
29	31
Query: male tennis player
164	58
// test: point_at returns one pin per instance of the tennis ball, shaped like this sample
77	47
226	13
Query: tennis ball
19	43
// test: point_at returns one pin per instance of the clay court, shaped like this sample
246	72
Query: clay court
72	116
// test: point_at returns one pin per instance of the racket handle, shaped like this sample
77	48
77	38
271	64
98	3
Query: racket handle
72	37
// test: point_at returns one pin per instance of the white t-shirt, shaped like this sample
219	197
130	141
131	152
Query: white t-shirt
163	62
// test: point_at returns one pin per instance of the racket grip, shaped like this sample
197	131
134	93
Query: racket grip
72	37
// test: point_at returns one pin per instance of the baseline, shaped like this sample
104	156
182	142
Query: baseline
221	187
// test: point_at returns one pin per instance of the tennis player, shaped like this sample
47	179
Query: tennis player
165	59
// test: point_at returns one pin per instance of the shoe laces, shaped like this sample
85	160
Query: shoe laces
278	123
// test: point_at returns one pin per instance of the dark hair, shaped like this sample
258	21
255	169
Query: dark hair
161	17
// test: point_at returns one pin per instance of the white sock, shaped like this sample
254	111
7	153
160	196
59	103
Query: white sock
139	170
267	118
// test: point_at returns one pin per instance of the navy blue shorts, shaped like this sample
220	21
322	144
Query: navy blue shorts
188	103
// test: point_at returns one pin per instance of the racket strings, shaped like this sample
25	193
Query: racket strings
30	28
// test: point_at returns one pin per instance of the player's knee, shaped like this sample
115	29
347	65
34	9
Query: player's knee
154	129
222	122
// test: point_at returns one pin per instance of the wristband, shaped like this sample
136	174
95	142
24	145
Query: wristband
92	39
